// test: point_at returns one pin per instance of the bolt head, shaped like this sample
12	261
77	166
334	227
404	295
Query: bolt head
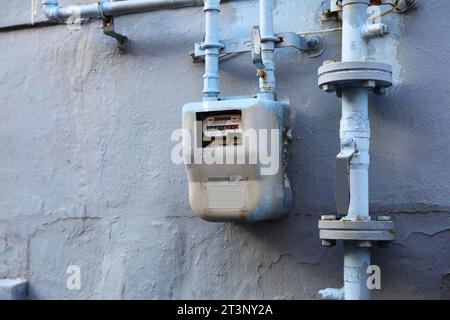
379	91
328	218
328	88
369	84
328	243
364	244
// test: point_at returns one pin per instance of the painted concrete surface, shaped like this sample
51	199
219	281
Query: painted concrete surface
86	176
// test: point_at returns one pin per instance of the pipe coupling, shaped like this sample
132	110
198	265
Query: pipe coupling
51	9
269	38
101	8
348	2
374	76
361	230
212	5
207	45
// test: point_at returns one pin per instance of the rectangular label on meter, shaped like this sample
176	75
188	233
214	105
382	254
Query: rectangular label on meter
222	128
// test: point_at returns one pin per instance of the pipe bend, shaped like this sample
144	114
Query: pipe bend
51	8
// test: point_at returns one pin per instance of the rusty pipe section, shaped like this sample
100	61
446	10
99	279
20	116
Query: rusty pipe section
106	8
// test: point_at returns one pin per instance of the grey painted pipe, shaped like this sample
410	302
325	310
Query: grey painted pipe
212	45
355	124
355	132
355	127
128	7
103	8
267	80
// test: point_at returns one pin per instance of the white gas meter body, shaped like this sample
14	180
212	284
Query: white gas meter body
234	152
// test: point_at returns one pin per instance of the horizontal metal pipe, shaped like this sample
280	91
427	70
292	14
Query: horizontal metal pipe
128	7
103	8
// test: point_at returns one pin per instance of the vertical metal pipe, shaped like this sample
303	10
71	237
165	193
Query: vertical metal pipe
355	127
212	47
356	261
267	80
355	119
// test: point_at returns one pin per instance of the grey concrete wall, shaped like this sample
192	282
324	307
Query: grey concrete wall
86	176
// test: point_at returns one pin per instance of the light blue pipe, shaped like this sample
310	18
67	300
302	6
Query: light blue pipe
212	45
55	12
267	82
355	134
356	262
355	126
102	8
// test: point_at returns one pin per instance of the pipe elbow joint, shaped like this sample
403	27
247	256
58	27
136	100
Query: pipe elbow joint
51	8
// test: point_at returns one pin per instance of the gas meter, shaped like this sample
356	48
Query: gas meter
234	152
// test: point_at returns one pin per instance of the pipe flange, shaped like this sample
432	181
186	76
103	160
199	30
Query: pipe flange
335	76
380	231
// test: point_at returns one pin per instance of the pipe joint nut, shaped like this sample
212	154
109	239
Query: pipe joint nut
206	45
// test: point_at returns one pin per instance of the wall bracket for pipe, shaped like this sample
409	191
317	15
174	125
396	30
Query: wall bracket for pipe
108	29
283	40
106	9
